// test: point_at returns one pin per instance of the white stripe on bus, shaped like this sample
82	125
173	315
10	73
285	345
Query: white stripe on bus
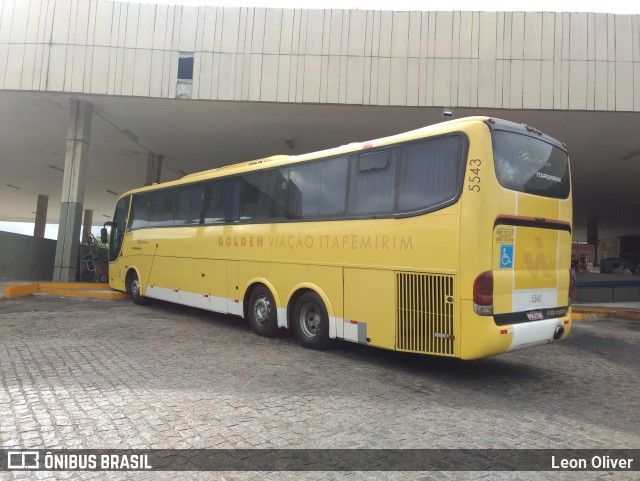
225	305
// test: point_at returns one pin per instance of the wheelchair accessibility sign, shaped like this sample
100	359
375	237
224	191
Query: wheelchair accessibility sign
506	256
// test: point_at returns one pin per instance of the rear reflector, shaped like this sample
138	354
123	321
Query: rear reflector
440	335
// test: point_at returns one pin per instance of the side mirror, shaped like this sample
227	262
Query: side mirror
103	235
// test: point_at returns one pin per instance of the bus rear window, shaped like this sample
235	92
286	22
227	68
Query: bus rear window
530	165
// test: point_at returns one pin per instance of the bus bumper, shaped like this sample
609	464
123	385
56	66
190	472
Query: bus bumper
481	337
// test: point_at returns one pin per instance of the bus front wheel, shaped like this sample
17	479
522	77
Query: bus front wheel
263	313
311	321
135	290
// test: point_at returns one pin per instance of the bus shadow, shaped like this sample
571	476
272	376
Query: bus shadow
170	310
527	382
491	369
427	366
492	377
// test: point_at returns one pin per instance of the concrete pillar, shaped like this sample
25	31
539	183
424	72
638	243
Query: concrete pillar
41	216
75	169
592	234
86	225
154	169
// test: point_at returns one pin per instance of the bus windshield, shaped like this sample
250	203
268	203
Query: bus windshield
530	165
117	228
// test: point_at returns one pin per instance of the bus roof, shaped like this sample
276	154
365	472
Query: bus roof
279	160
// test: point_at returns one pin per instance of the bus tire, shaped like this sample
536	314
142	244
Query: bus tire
134	290
263	312
311	321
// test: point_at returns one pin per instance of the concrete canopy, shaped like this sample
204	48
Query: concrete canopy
321	78
199	135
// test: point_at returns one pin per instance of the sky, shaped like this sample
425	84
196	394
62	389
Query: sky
604	6
26	228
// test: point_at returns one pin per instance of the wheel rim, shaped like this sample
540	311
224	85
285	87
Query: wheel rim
135	288
310	320
262	310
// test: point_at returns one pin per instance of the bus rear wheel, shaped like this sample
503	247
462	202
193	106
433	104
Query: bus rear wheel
134	289
263	313
311	321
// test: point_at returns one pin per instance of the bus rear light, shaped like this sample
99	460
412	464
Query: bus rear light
483	294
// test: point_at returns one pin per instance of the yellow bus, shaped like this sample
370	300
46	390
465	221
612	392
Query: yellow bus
451	240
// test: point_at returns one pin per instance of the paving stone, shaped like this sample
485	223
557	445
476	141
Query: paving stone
104	374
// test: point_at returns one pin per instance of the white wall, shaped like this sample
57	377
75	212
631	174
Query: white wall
576	61
31	258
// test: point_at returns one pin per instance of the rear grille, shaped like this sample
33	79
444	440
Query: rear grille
424	313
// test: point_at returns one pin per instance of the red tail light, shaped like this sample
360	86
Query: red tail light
483	293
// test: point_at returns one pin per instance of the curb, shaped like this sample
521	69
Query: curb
68	289
588	313
20	290
586	316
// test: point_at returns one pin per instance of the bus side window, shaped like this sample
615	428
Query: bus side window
140	211
188	206
295	201
231	199
213	207
197	204
163	206
372	184
318	189
429	173
264	195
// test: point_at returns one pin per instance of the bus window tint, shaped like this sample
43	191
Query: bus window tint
188	204
140	211
214	207
429	173
372	184
530	165
264	195
318	189
231	199
162	213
